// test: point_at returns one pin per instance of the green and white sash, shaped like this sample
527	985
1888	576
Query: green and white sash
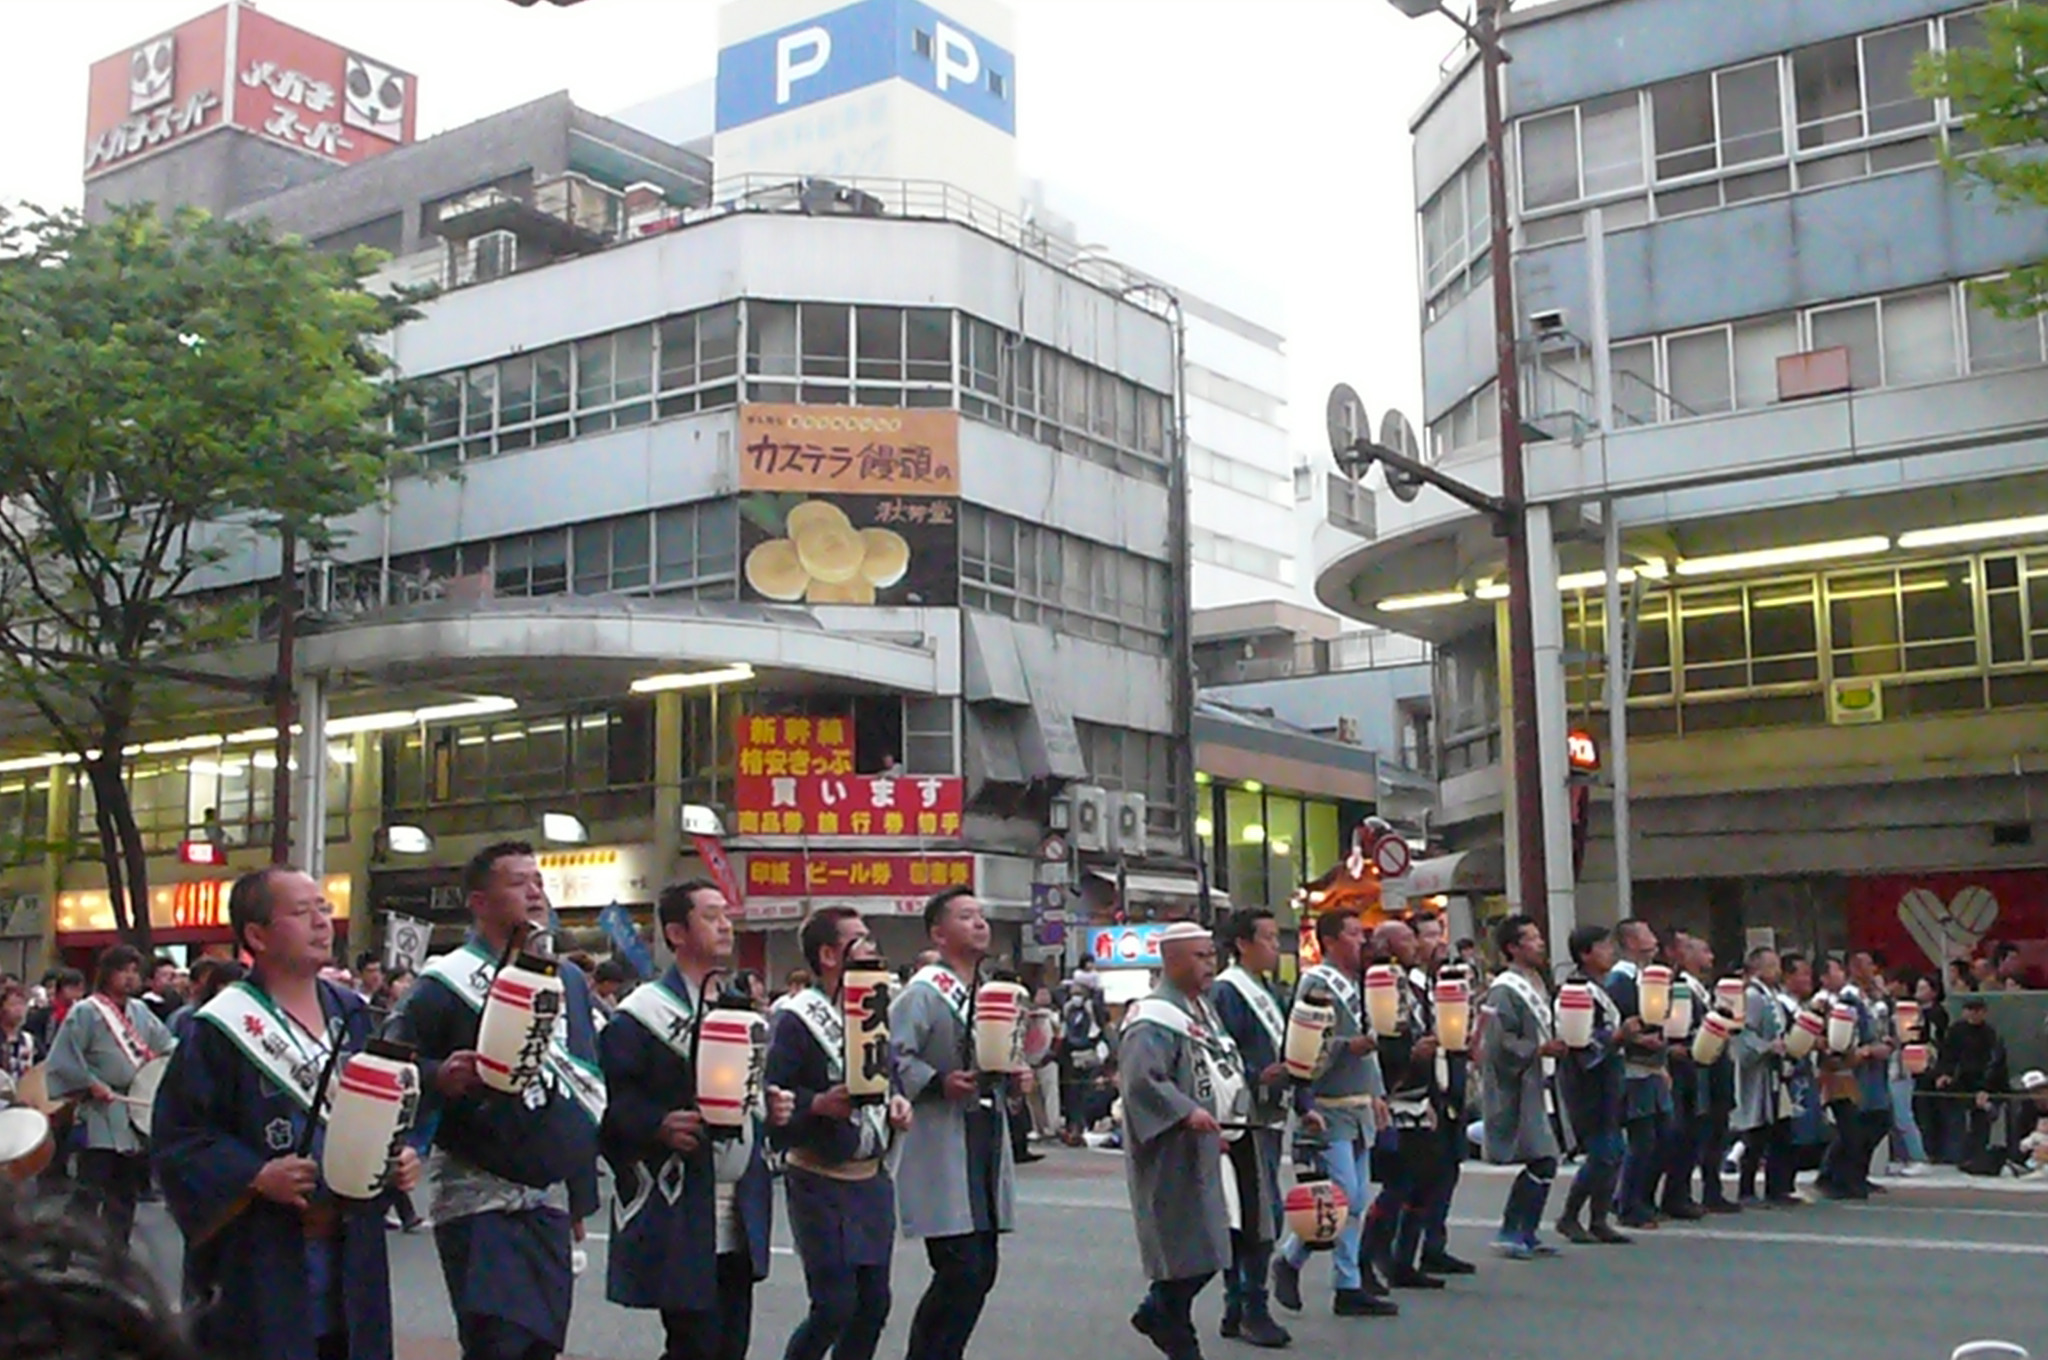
467	972
1260	1002
828	1027
947	984
1538	1006
1345	989
291	1056
1220	1084
673	1020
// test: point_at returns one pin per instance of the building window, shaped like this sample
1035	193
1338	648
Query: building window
1471	423
171	800
696	550
1701	372
1124	759
614	379
1456	231
1072	585
531	564
24	819
699	360
1207	465
612	555
1236	554
1998	343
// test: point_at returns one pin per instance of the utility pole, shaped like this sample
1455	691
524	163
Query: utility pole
282	695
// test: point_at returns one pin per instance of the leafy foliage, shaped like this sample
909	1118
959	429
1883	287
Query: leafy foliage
167	387
2001	88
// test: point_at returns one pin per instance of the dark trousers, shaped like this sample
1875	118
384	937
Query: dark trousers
721	1332
109	1184
1436	1217
1411	1173
1677	1154
1527	1199
1768	1148
484	1337
1244	1288
1593	1186
963	1274
1845	1169
1639	1167
1168	1314
1712	1151
849	1308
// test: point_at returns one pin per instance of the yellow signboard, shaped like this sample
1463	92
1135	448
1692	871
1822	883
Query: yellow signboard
852	450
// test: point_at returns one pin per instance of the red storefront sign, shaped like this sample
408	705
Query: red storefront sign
796	779
856	805
250	71
1918	920
778	874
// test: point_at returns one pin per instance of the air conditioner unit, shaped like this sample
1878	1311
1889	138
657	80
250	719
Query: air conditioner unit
493	255
1855	700
1127	824
1091	817
1347	731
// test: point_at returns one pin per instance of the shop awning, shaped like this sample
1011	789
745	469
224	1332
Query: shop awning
1164	888
1478	870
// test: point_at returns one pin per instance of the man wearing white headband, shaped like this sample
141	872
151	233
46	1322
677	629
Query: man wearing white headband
1182	1084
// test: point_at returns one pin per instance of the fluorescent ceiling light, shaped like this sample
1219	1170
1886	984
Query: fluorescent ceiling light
1980	532
1764	558
1491	590
702	820
407	840
563	828
724	675
1438	599
395	719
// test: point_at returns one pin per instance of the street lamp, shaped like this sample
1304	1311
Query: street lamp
1512	517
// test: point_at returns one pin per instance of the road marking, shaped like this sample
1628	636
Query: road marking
1819	1239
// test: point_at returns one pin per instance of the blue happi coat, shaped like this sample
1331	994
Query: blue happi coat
838	1225
249	1271
513	1267
664	1232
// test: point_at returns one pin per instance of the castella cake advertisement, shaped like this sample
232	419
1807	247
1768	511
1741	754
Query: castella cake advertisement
850	505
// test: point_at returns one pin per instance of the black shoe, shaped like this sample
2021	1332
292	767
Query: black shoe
1607	1235
1369	1281
1154	1328
1233	1323
1261	1331
1570	1231
1286	1285
1722	1206
1684	1213
1026	1158
1443	1263
1358	1303
1413	1279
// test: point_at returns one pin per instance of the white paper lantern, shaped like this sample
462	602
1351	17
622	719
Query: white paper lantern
518	1020
731	1047
999	1010
1575	1014
1653	993
376	1097
1383	999
864	1008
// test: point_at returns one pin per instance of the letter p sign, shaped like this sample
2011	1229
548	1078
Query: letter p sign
800	55
956	58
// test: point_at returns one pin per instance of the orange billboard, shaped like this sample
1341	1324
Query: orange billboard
238	67
853	450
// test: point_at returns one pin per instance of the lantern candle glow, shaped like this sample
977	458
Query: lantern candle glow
1383	999
726	1066
1653	992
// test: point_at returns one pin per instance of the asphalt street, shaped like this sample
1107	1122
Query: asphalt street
1907	1277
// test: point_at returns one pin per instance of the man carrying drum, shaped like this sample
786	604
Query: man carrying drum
106	1042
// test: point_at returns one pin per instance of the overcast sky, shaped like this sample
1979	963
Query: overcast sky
1267	138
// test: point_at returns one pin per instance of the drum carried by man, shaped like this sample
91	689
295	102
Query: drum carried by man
110	1055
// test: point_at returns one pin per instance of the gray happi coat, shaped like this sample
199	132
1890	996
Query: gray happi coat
1757	1074
932	1198
1176	1177
85	1050
1517	1114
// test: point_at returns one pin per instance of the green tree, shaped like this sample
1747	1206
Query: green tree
166	387
2000	86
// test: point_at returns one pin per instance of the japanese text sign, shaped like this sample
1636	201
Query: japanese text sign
795	745
862	450
849	805
774	874
267	78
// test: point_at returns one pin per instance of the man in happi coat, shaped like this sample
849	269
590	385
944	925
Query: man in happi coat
1407	1159
276	1267
1433	944
105	1040
958	1186
1181	1082
842	1199
1689	1126
691	1220
1589	1089
1517	1050
1646	1077
1763	1102
1347	1110
514	1175
1254	1014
